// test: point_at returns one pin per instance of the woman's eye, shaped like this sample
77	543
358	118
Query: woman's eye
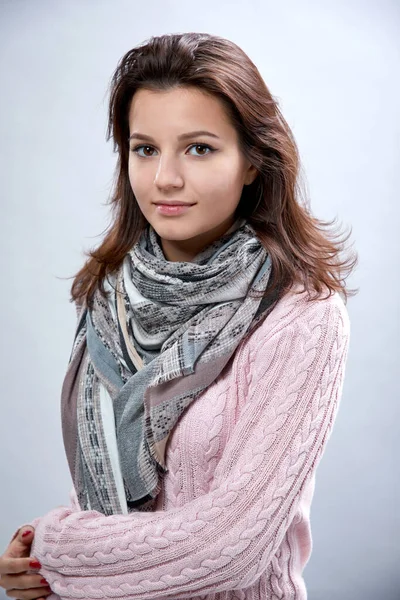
197	146
202	146
136	150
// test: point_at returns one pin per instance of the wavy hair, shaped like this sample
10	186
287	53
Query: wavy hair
302	248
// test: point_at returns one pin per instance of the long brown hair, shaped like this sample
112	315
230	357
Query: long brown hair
274	204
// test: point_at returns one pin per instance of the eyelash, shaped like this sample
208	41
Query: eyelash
135	150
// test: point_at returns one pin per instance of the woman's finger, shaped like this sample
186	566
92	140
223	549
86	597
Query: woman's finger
23	582
9	564
29	594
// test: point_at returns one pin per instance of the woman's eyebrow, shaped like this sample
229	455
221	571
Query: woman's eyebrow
142	136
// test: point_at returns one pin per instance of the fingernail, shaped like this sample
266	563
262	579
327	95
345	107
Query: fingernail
35	564
44	582
26	533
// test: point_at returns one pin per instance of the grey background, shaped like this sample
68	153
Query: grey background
334	68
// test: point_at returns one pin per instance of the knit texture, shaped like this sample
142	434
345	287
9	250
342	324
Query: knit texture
232	520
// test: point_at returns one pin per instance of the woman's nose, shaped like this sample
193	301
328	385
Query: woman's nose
168	173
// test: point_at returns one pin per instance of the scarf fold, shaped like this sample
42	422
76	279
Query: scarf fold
141	357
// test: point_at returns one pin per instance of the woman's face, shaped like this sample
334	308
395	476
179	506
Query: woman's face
206	171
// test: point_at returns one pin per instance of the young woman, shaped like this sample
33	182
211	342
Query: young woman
209	354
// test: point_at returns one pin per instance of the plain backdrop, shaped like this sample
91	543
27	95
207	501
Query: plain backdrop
334	68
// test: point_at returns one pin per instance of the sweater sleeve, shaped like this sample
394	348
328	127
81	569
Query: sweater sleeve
225	539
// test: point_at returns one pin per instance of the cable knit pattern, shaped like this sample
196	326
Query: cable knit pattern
232	519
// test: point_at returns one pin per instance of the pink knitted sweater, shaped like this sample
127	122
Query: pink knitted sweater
233	518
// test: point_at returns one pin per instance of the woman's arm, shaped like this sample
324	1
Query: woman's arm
225	539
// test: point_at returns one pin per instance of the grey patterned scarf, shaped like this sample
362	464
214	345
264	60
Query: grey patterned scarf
140	358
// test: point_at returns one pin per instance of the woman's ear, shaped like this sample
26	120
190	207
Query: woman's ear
251	175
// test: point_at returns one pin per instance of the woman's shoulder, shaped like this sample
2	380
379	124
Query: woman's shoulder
298	310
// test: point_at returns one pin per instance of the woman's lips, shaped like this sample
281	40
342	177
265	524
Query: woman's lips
173	209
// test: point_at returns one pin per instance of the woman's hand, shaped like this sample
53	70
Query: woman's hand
14	564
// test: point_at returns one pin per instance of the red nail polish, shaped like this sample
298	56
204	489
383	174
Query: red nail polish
35	564
44	582
26	533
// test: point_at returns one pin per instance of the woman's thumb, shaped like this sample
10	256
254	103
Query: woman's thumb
19	545
25	534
